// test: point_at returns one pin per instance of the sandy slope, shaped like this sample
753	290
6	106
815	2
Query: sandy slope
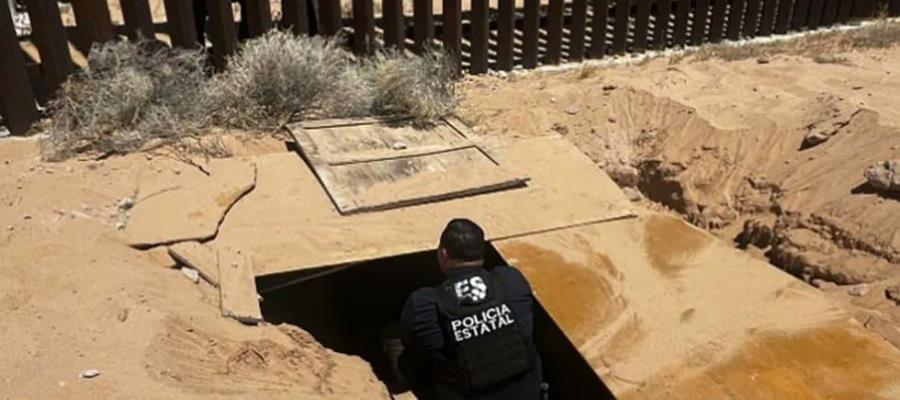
73	296
720	143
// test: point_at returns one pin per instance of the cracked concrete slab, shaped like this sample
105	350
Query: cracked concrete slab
189	205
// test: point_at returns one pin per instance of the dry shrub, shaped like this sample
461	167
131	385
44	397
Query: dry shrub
280	75
277	75
422	87
127	96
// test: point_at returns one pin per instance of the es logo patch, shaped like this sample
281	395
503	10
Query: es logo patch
471	290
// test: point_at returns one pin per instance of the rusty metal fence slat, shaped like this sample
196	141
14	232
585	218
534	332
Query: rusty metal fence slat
16	94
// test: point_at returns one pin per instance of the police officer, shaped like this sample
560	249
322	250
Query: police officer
471	337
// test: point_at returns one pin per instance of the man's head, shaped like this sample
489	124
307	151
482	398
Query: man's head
462	243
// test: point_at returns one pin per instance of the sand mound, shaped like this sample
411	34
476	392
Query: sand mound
75	296
771	155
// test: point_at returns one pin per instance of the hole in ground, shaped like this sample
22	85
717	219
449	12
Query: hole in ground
350	310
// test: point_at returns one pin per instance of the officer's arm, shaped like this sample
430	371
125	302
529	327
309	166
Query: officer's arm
420	318
522	298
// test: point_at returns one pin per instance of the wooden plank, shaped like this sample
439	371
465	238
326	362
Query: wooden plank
717	25
295	16
390	154
641	25
237	286
310	153
661	26
394	28
577	30
198	256
829	14
701	16
735	19
222	32
452	30
620	30
338	122
767	21
259	16
530	33
16	95
844	9
50	38
363	27
783	20
423	24
138	20
682	10
181	23
506	26
360	173
555	31
329	16
816	7
751	18
93	23
479	39
800	14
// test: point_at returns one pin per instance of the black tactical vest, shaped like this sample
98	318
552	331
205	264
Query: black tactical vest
481	330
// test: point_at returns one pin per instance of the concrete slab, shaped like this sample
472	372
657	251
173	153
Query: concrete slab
290	224
188	206
661	309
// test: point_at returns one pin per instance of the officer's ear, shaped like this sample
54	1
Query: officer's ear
442	257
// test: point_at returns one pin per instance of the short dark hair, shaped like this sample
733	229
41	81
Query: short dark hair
463	240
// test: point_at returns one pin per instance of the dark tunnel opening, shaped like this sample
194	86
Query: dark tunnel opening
350	310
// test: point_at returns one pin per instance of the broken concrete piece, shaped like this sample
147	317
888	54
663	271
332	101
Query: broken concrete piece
90	373
198	256
237	286
188	206
820	131
858	290
191	274
884	175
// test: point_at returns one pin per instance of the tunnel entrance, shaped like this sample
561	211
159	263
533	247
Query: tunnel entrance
350	310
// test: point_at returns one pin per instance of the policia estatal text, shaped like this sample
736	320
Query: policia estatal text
472	336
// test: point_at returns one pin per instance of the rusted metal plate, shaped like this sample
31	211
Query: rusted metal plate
662	310
377	165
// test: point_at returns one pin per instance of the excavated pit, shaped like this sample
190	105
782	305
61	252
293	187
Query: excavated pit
350	310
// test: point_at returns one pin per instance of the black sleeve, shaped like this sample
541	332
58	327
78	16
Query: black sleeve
520	297
420	320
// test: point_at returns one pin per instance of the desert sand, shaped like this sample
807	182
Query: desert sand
722	143
716	142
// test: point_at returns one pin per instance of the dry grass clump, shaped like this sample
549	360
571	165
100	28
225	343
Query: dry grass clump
419	86
127	96
820	46
278	75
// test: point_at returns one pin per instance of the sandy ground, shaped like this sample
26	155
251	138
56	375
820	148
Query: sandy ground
74	297
721	144
717	142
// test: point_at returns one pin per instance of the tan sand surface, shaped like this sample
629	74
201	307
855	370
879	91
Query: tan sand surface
718	142
721	144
